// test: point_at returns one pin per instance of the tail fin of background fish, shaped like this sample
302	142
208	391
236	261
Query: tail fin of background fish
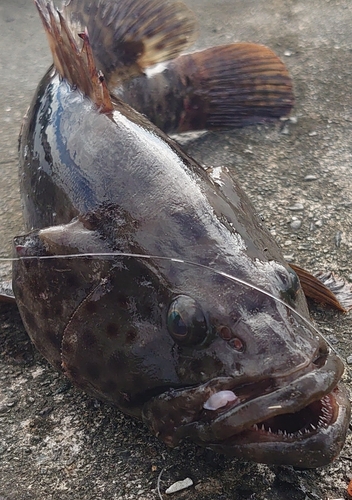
128	36
221	87
227	86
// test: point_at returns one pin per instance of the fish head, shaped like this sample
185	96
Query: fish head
261	384
230	363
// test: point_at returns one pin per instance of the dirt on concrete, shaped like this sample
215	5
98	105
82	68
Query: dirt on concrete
57	443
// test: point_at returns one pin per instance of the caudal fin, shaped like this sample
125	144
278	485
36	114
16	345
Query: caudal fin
74	61
221	87
128	36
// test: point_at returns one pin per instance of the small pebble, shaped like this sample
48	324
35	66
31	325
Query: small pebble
310	177
287	53
349	360
296	207
289	258
179	485
296	224
312	134
338	239
293	119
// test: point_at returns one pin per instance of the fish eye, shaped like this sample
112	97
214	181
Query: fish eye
186	321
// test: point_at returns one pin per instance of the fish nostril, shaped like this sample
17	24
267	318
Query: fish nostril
237	344
225	333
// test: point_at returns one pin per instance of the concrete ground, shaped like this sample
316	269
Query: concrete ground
56	443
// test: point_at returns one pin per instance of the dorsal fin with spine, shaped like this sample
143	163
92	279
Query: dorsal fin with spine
74	63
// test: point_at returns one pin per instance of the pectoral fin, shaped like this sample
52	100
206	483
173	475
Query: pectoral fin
326	288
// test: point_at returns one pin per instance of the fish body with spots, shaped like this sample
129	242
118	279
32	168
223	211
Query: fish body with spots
141	274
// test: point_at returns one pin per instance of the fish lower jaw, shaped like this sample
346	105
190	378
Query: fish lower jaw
311	437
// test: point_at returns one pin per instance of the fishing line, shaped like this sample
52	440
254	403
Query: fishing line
228	276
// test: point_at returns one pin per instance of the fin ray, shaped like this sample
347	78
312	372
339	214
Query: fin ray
221	87
326	288
75	64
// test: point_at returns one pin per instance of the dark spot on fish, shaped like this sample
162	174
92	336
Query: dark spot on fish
72	281
112	330
91	307
53	338
160	46
89	339
57	310
109	387
123	301
118	363
131	335
131	51
196	365
93	370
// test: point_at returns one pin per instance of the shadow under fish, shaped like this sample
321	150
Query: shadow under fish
148	280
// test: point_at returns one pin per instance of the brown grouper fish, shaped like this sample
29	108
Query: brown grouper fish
146	279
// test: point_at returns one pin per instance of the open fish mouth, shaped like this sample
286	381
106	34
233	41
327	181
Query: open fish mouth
302	422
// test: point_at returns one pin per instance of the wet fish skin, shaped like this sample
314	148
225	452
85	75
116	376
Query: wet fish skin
106	182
